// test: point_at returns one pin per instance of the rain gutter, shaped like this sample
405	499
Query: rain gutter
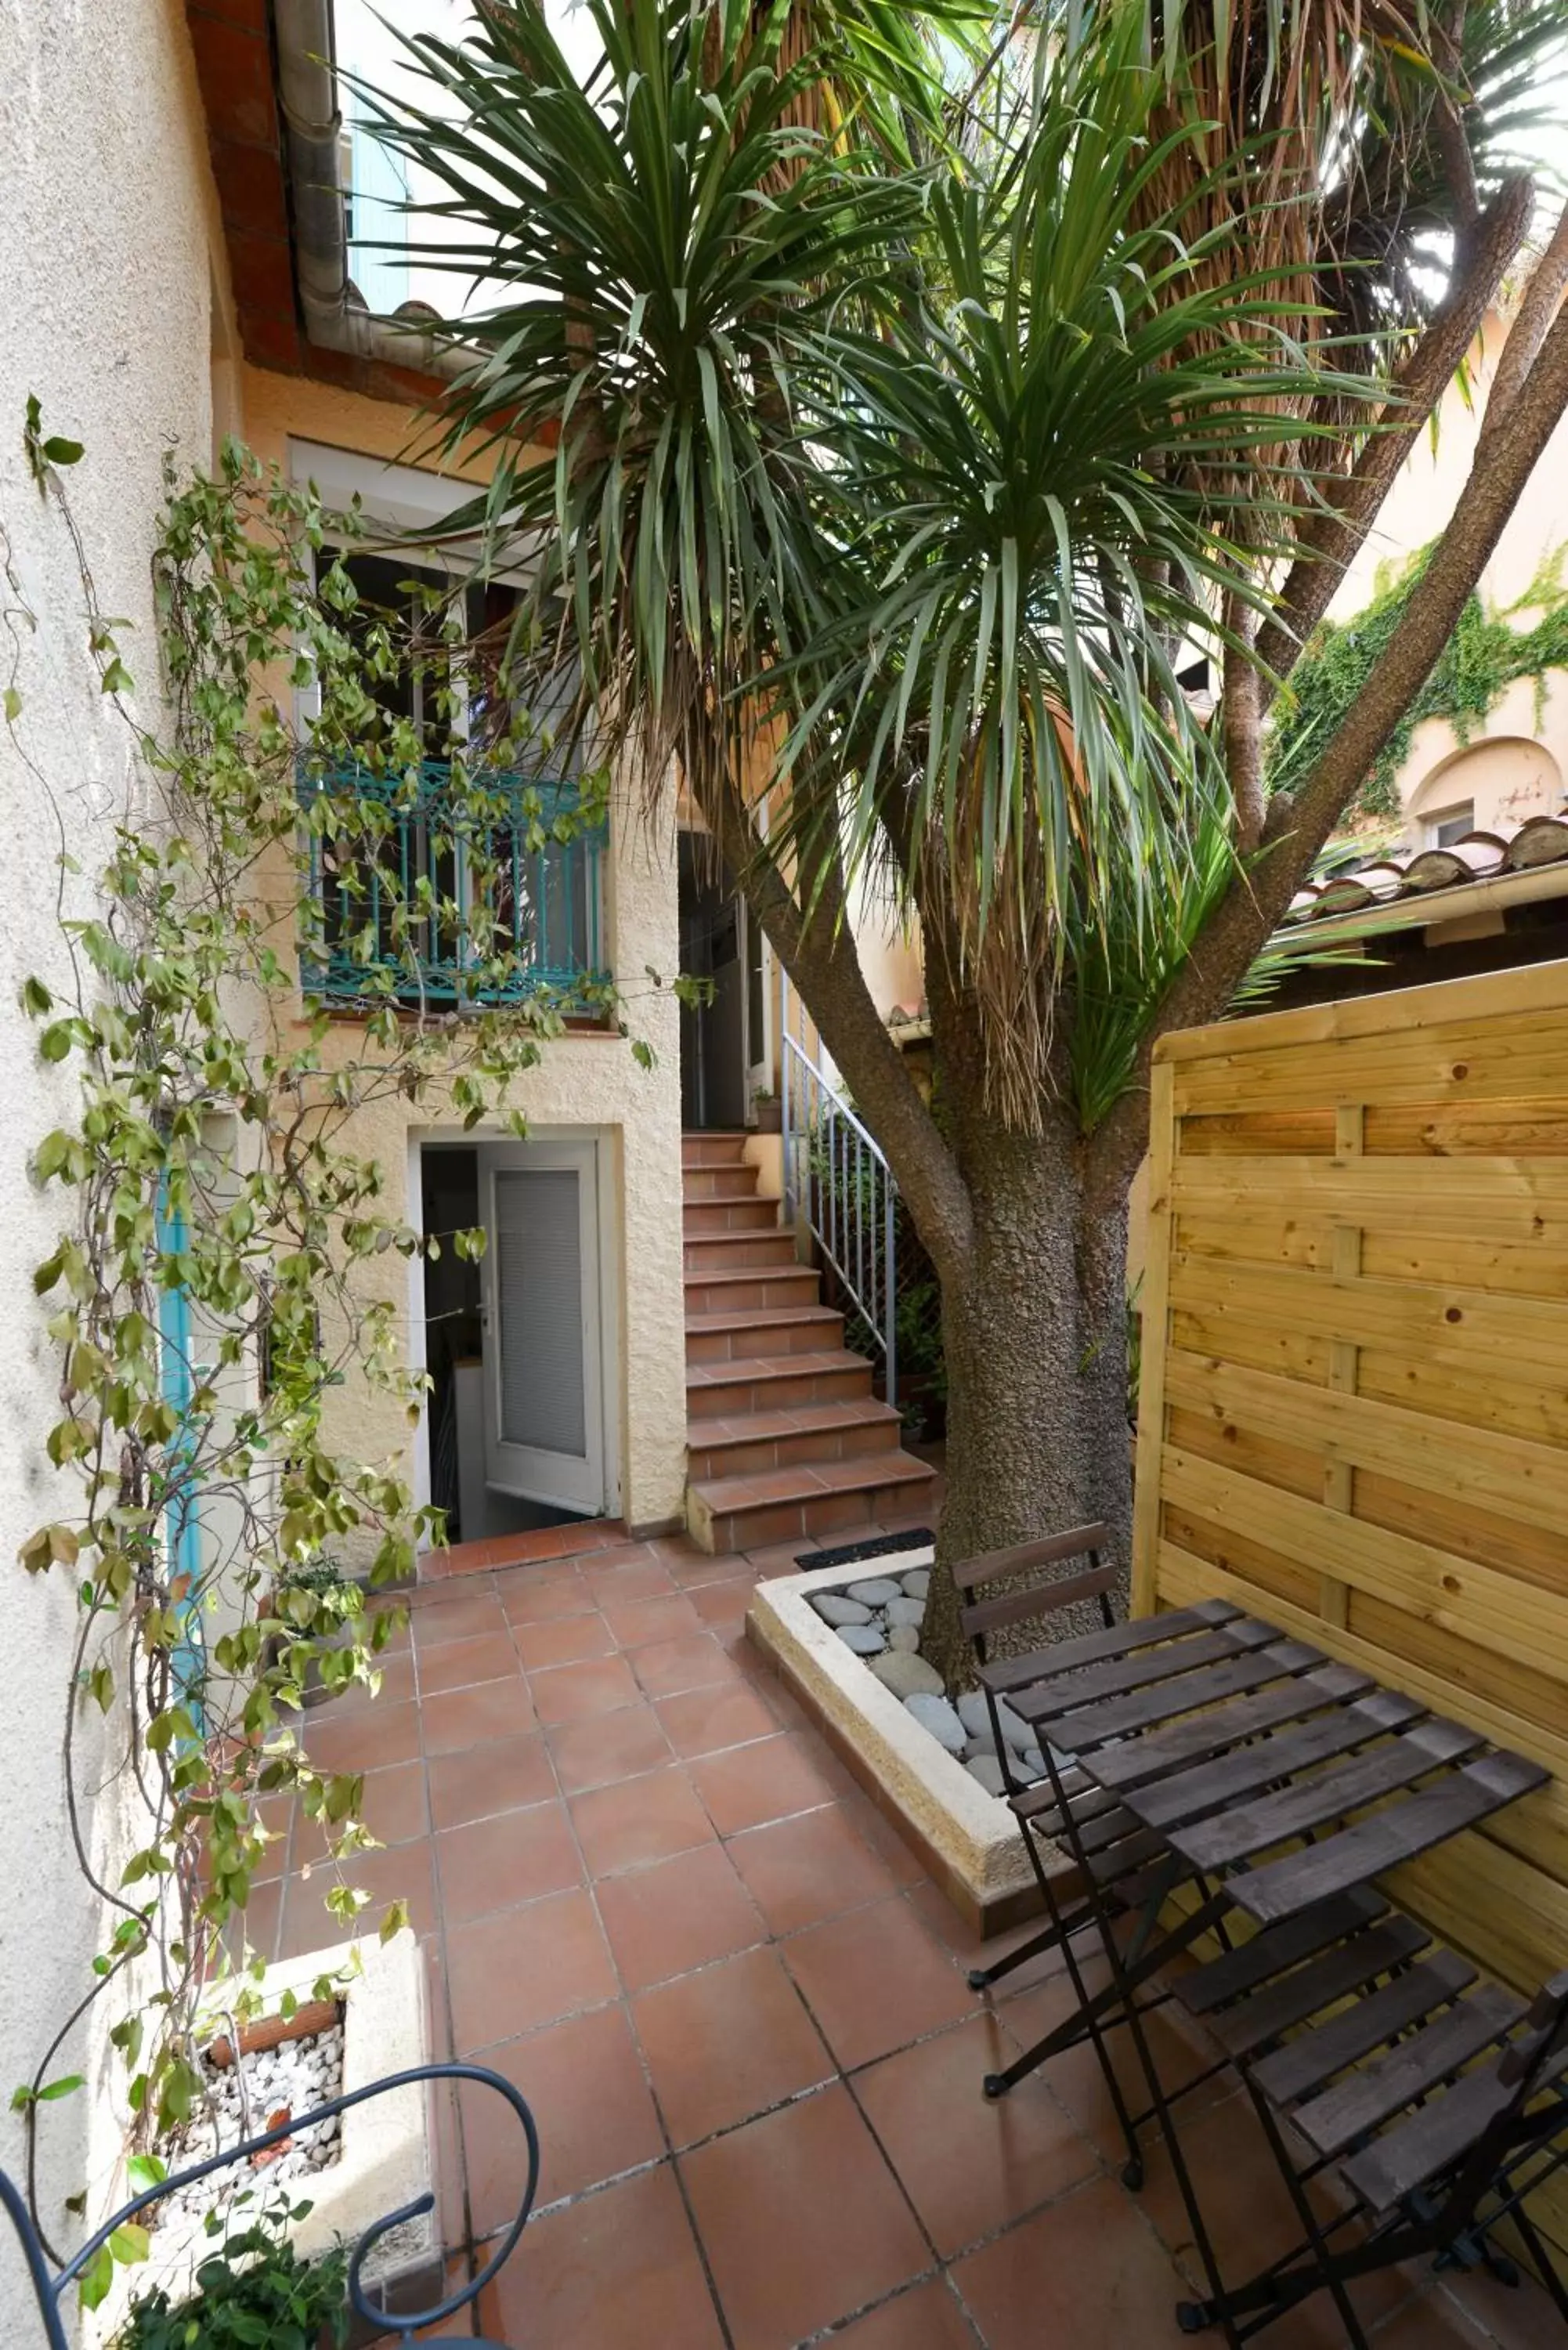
335	319
1432	909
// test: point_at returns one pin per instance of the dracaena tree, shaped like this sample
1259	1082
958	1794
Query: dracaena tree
921	390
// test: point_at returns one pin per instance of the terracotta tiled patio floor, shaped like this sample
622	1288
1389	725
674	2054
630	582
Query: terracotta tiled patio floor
651	1897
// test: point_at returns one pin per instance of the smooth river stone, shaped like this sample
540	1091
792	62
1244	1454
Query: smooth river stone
907	1675
862	1640
876	1592
906	1611
973	1714
935	1714
977	1722
834	1608
916	1583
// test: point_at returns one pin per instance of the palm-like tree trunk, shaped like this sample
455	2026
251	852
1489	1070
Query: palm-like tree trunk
680	267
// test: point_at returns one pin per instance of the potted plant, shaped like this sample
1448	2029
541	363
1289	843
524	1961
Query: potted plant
253	2288
767	1111
320	1593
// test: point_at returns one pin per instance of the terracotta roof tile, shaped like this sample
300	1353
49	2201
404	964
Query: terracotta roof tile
1478	857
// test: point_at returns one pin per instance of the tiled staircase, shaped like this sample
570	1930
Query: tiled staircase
783	1435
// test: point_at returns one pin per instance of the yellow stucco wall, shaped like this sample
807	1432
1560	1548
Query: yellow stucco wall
585	1083
1515	766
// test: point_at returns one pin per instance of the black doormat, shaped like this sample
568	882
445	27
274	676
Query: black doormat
918	1538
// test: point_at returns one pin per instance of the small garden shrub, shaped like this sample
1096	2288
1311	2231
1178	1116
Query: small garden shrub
254	2293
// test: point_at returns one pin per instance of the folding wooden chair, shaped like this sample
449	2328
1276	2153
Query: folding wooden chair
1436	2101
1132	1872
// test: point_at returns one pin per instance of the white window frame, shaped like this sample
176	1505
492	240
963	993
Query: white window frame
409	499
1433	821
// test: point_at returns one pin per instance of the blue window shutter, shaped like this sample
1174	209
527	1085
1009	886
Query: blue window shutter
183	1525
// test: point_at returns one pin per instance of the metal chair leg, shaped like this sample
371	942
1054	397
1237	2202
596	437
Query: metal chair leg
1085	2023
982	1978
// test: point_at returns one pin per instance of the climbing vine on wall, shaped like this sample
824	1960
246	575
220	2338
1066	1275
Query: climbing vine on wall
217	1218
1487	652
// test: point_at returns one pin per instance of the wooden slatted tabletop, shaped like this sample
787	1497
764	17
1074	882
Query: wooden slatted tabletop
1254	1757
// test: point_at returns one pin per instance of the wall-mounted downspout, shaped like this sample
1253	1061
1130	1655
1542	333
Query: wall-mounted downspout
313	130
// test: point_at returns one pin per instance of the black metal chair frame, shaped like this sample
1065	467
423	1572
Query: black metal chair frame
1120	2003
1451	2218
1104	1902
1451	2228
50	2288
1095	2016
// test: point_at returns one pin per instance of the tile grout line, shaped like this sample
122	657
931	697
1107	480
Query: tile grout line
624	2004
1429	2292
460	2125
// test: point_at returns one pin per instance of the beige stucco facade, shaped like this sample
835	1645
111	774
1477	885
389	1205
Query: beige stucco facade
586	1085
1515	764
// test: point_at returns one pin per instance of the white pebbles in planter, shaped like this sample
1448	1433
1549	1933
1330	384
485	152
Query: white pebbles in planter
878	1620
294	2077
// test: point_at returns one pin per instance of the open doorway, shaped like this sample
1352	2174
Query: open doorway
723	1043
513	1343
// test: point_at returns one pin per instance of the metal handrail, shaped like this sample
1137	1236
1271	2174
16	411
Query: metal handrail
838	1182
49	2290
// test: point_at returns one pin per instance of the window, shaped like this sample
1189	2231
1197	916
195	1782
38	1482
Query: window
364	886
542	899
1443	827
375	207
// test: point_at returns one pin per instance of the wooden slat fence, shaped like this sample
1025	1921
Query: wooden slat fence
1354	1415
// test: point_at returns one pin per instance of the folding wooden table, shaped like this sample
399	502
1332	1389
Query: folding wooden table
1207	1737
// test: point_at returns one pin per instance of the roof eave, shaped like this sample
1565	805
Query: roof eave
1532	887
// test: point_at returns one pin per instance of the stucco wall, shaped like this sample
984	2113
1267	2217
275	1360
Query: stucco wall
111	247
889	950
1507	775
585	1082
1506	788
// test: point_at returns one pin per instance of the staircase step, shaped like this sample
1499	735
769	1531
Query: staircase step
773	1330
722	1182
754	1444
729	1514
745	1214
750	1289
713	1150
739	1384
710	1253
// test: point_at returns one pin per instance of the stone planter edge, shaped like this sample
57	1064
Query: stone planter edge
966	1840
387	2158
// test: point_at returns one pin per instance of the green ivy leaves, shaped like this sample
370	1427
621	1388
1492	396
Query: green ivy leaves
227	1236
1485	655
44	451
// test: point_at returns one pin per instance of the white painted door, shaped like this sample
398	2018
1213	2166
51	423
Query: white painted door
757	961
544	1386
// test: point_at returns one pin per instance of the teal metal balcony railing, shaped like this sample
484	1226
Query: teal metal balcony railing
395	900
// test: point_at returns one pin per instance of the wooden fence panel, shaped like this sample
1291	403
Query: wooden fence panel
1354	1414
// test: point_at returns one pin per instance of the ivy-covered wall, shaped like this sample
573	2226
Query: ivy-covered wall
1487	652
112	247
